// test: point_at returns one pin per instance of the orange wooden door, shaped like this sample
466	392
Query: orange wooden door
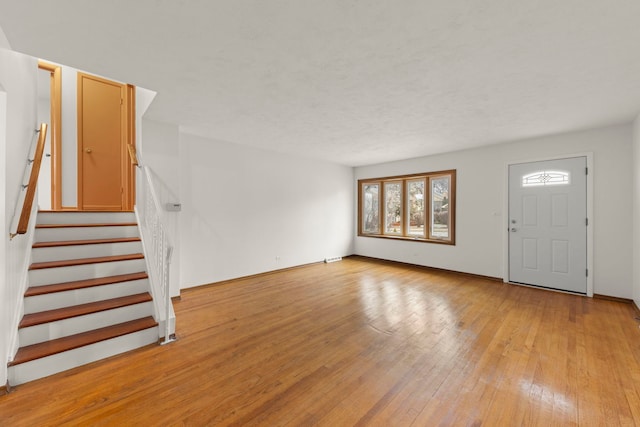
102	134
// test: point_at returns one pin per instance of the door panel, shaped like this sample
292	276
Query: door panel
547	224
560	256
559	210
530	254
101	139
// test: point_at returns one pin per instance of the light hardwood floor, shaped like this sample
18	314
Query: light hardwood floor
361	342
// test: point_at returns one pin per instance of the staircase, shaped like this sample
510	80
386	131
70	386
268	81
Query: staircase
88	294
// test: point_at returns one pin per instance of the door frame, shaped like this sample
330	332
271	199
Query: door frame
127	115
55	132
505	209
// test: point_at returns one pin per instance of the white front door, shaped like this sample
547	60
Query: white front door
548	224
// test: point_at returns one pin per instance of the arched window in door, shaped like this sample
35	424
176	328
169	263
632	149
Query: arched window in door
545	178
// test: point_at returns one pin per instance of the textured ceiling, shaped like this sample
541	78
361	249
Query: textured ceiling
354	82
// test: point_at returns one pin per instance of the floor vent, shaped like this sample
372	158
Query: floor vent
333	259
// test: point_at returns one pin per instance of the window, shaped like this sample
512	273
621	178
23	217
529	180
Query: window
417	207
545	178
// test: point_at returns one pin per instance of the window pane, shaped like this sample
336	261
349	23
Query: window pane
545	178
393	208
440	213
371	208
415	207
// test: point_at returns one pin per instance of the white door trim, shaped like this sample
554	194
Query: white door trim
505	210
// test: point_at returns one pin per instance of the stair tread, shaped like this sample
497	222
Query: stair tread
81	309
81	284
84	242
48	348
103	224
84	261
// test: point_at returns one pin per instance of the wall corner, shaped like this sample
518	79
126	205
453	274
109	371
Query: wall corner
636	211
4	42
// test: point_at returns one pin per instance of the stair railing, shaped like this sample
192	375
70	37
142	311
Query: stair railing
157	246
20	223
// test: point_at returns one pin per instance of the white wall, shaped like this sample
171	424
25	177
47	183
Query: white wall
636	211
18	78
248	211
159	150
4	43
5	308
481	222
144	98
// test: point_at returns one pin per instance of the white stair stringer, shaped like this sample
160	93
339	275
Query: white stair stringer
57	253
78	324
39	368
52	301
45	276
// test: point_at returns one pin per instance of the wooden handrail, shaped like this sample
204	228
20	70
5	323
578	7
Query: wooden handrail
23	223
132	154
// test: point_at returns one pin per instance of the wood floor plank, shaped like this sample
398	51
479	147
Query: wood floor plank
361	342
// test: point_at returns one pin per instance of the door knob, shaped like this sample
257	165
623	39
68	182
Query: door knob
88	150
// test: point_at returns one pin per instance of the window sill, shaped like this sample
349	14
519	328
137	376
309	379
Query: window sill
409	239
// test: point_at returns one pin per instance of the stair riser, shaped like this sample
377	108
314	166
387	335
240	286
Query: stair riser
56	300
84	233
50	365
75	325
48	276
59	253
84	217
